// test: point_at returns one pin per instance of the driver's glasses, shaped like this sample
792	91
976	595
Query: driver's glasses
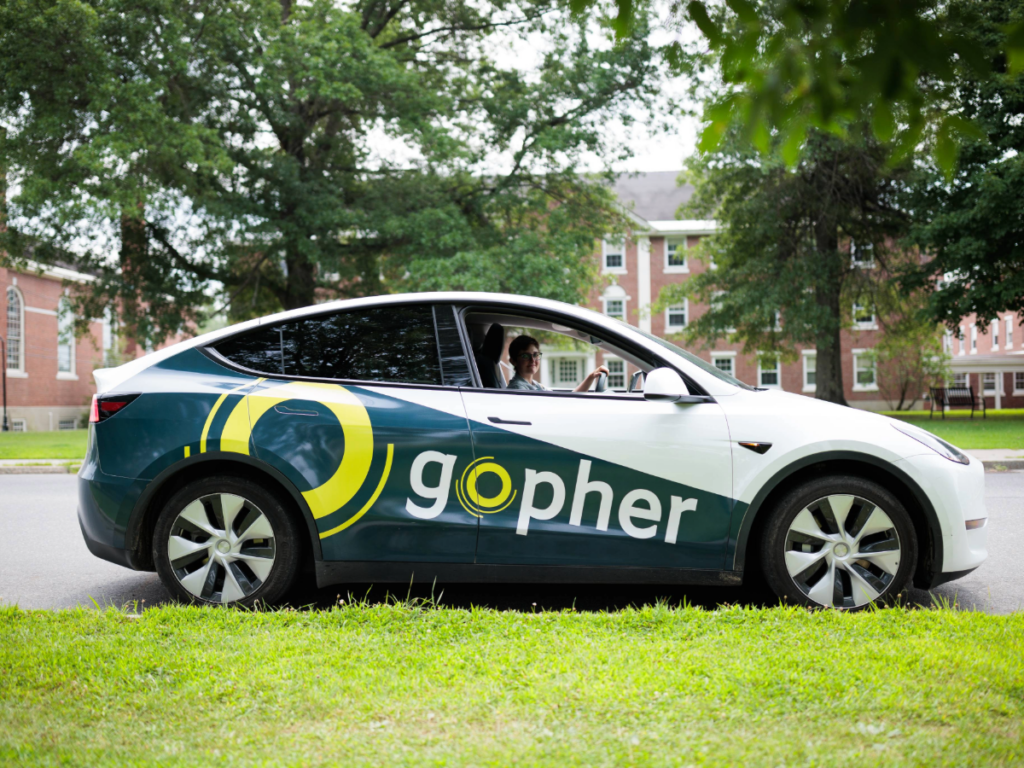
530	355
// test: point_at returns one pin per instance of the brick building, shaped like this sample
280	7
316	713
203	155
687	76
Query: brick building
49	373
655	254
990	358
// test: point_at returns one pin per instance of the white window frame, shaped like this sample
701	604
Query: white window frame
864	325
550	368
974	338
685	305
966	380
857	386
625	370
810	354
994	330
997	379
604	303
962	338
64	314
681	244
14	424
1018	382
731	356
762	370
604	258
947	342
19	371
862	263
1009	333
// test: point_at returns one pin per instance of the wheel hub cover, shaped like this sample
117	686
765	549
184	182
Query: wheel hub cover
223	546
840	550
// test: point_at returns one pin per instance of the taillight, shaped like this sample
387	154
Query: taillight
105	407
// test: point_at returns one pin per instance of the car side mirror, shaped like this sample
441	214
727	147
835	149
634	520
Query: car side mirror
667	386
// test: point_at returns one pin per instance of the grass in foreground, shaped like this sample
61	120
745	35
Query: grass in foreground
1001	429
401	685
44	445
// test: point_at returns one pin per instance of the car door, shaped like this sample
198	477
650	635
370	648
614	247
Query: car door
597	479
361	411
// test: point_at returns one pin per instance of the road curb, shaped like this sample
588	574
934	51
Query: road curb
1005	464
44	470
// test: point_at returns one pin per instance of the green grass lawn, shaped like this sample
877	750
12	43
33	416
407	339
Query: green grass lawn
1000	429
402	685
44	445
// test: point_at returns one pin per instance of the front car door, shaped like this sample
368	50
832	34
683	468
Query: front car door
609	480
361	411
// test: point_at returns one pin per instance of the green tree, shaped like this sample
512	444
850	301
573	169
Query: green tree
782	273
244	146
973	224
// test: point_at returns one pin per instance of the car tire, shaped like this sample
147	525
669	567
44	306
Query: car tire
839	542
224	540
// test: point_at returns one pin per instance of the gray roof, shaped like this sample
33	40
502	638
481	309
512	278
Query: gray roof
653	196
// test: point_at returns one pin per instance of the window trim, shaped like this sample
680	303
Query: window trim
605	269
607	358
726	355
994	331
625	311
999	386
72	374
778	371
676	269
860	263
18	372
1009	333
1017	391
805	354
686	311
864	325
974	338
857	387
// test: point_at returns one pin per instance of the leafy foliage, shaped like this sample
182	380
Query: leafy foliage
285	153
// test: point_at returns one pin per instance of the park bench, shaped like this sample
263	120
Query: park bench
955	397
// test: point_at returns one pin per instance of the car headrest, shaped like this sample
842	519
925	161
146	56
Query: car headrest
477	333
494	342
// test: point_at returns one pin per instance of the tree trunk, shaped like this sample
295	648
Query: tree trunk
829	376
132	260
300	281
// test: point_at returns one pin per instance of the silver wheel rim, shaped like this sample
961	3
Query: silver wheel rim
842	551
221	548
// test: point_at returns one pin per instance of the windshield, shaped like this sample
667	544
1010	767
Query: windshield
689	357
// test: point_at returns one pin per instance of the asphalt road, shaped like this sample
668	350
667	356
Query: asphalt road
44	564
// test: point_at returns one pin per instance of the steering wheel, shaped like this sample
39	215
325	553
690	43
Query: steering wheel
602	382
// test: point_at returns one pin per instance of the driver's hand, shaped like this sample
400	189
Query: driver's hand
597	372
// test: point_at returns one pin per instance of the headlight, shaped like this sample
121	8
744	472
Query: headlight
937	444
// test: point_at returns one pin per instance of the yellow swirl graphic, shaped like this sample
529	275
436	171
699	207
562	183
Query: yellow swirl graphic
470	498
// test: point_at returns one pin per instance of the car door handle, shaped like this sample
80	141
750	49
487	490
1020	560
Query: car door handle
496	420
285	410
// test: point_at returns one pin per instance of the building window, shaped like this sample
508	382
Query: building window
19	425
66	425
65	340
1009	333
15	330
863	256
615	308
616	372
963	341
960	380
864	371
567	371
1018	383
675	254
614	255
974	338
675	316
769	373
810	371
988	383
947	343
995	335
725	363
864	317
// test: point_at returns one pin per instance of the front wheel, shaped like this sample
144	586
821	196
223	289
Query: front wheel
226	541
839	542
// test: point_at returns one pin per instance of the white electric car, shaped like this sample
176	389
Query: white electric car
376	440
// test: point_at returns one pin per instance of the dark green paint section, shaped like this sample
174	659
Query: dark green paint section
701	538
387	531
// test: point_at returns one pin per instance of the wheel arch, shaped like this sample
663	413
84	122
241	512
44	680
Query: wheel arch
142	521
866	466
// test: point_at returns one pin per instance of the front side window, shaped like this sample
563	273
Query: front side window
65	339
675	253
386	344
15	329
863	371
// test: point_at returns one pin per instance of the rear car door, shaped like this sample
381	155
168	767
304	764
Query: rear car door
361	411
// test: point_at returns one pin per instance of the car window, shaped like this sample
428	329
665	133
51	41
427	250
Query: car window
388	344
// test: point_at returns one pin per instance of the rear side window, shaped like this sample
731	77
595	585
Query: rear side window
391	344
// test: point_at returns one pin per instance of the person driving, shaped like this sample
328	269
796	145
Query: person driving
525	354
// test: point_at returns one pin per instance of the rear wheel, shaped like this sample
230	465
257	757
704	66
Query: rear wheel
839	542
226	541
